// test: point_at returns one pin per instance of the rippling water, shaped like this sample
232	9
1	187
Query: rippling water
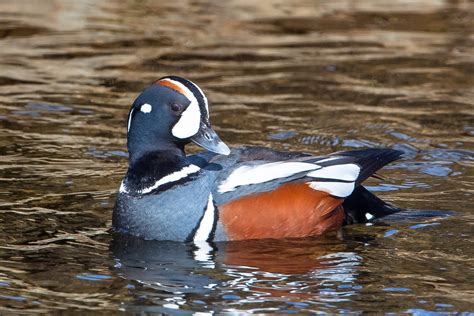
316	76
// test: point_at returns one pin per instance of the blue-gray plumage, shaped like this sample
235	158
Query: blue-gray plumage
167	195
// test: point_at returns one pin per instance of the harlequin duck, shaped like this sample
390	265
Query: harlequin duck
222	194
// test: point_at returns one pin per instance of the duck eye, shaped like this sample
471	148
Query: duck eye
176	107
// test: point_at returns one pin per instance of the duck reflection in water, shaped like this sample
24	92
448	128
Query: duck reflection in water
169	274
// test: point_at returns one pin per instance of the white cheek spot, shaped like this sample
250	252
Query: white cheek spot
369	216
146	108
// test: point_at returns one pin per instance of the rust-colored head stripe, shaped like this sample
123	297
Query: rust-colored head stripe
171	85
188	89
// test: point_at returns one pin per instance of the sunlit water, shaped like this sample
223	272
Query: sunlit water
314	76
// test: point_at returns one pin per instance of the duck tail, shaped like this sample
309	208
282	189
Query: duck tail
362	206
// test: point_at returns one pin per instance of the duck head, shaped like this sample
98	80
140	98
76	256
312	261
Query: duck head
169	114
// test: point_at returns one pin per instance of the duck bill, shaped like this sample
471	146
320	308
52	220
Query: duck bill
208	139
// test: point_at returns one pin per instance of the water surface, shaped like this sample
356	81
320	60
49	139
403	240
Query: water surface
314	76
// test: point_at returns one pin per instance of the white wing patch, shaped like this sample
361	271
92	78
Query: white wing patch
188	124
346	172
207	222
173	177
339	189
246	175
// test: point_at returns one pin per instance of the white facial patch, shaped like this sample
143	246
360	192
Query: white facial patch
339	189
146	108
207	222
246	175
346	172
173	177
188	124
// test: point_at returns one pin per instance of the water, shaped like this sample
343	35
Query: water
302	75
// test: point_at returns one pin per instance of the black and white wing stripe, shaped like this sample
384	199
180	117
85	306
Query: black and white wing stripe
338	174
343	172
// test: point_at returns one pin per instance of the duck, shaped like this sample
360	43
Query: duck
224	194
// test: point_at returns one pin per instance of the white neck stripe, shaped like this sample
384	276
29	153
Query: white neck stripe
173	177
207	222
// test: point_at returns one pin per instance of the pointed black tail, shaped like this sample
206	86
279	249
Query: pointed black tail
362	206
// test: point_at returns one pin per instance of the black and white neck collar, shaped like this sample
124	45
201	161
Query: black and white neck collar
157	171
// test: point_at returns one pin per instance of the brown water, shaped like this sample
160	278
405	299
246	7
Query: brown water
316	76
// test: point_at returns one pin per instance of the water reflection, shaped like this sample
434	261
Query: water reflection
293	272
